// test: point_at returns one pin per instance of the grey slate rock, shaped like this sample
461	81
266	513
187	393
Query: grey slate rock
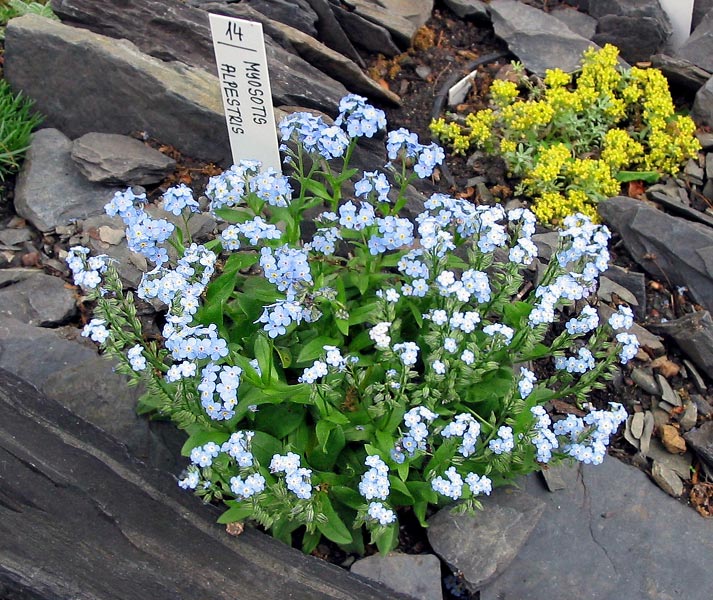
417	575
330	32
702	109
539	40
680	72
401	18
50	189
646	381
678	463
611	535
38	300
173	31
632	281
295	13
365	34
123	90
469	9
483	545
578	22
694	335
697	49
13	237
114	158
683	250
700	9
700	440
667	479
639	28
76	376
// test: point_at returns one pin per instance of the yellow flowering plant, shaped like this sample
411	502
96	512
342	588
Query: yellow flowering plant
573	138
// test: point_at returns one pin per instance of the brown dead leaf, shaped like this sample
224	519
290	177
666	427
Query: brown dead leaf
234	528
565	408
636	189
31	259
384	84
666	367
424	38
702	498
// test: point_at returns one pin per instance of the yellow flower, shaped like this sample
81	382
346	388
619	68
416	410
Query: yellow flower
503	92
556	78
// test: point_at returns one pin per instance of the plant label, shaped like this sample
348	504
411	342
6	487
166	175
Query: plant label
245	88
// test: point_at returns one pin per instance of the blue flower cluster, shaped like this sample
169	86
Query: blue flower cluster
178	198
359	118
374	186
86	270
526	383
587	321
375	481
417	420
463	426
379	513
144	234
581	363
223	381
96	331
253	231
505	441
584	252
544	439
450	486
589	436
404	144
298	479
230	187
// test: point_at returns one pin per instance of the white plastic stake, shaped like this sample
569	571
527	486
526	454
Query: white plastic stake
245	87
680	13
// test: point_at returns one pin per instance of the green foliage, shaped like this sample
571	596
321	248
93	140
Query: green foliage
17	120
383	372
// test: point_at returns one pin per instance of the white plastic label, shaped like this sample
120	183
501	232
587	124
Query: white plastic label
245	88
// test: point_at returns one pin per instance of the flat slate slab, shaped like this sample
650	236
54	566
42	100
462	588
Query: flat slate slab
611	535
79	518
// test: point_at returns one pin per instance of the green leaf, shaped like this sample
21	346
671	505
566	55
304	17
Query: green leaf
233	215
264	447
342	325
202	437
363	313
422	490
645	176
279	419
333	528
400	493
515	312
310	540
316	188
263	353
148	403
324	456
236	513
347	496
323	429
314	349
285	356
403	470
388	539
